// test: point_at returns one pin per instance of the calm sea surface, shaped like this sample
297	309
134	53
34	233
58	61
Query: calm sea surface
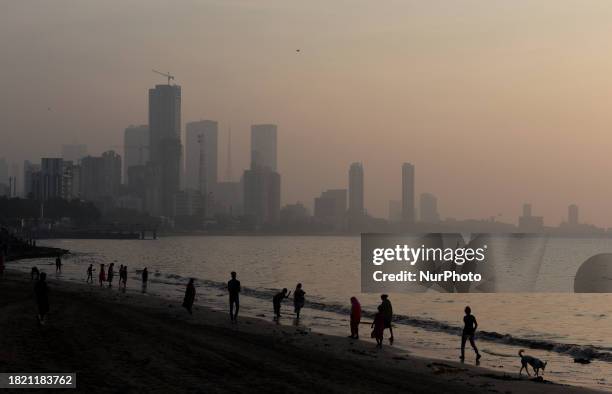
561	326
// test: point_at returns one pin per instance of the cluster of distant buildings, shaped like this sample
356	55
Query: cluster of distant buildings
178	182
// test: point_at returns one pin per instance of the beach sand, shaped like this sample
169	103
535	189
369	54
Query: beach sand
130	342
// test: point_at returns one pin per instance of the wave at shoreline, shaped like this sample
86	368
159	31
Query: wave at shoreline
588	352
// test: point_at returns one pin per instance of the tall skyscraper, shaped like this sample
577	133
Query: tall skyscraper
572	215
201	150
74	152
330	208
101	178
355	197
135	148
262	195
408	211
261	183
29	174
526	210
51	174
165	146
263	146
428	205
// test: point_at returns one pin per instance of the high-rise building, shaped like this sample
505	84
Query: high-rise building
189	203
428	205
572	215
135	148
29	171
356	190
330	208
51	176
71	181
165	146
101	178
263	146
262	195
526	210
201	149
74	152
229	198
408	211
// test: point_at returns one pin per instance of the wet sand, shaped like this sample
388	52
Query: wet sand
130	342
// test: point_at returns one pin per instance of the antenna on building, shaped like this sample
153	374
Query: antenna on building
228	169
167	75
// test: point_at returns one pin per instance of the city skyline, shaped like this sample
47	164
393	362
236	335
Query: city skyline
532	103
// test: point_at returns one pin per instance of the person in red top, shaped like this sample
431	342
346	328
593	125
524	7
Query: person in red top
355	318
379	327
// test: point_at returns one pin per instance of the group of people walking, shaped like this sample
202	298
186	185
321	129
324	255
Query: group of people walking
381	322
108	275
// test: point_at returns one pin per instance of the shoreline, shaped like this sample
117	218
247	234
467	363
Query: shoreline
134	342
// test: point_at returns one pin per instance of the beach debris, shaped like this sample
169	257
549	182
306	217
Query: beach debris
581	360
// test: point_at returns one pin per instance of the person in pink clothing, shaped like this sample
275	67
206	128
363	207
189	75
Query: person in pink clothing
379	327
355	318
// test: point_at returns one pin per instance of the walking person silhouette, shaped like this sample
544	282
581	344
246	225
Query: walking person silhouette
355	317
42	297
378	326
298	300
387	311
111	274
145	279
469	329
90	270
189	296
102	275
233	287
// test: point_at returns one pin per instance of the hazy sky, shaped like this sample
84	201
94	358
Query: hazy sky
495	102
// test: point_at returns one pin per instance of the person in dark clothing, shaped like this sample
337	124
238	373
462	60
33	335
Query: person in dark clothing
123	277
42	297
298	300
34	274
120	275
276	302
469	329
102	276
233	287
387	311
111	274
189	296
145	279
58	264
355	318
90	271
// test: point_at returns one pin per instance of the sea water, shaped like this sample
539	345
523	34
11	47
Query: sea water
556	327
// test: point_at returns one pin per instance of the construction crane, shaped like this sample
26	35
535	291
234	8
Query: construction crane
167	75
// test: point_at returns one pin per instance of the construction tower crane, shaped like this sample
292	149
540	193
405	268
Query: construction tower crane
167	75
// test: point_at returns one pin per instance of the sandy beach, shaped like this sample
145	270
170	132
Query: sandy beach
118	342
